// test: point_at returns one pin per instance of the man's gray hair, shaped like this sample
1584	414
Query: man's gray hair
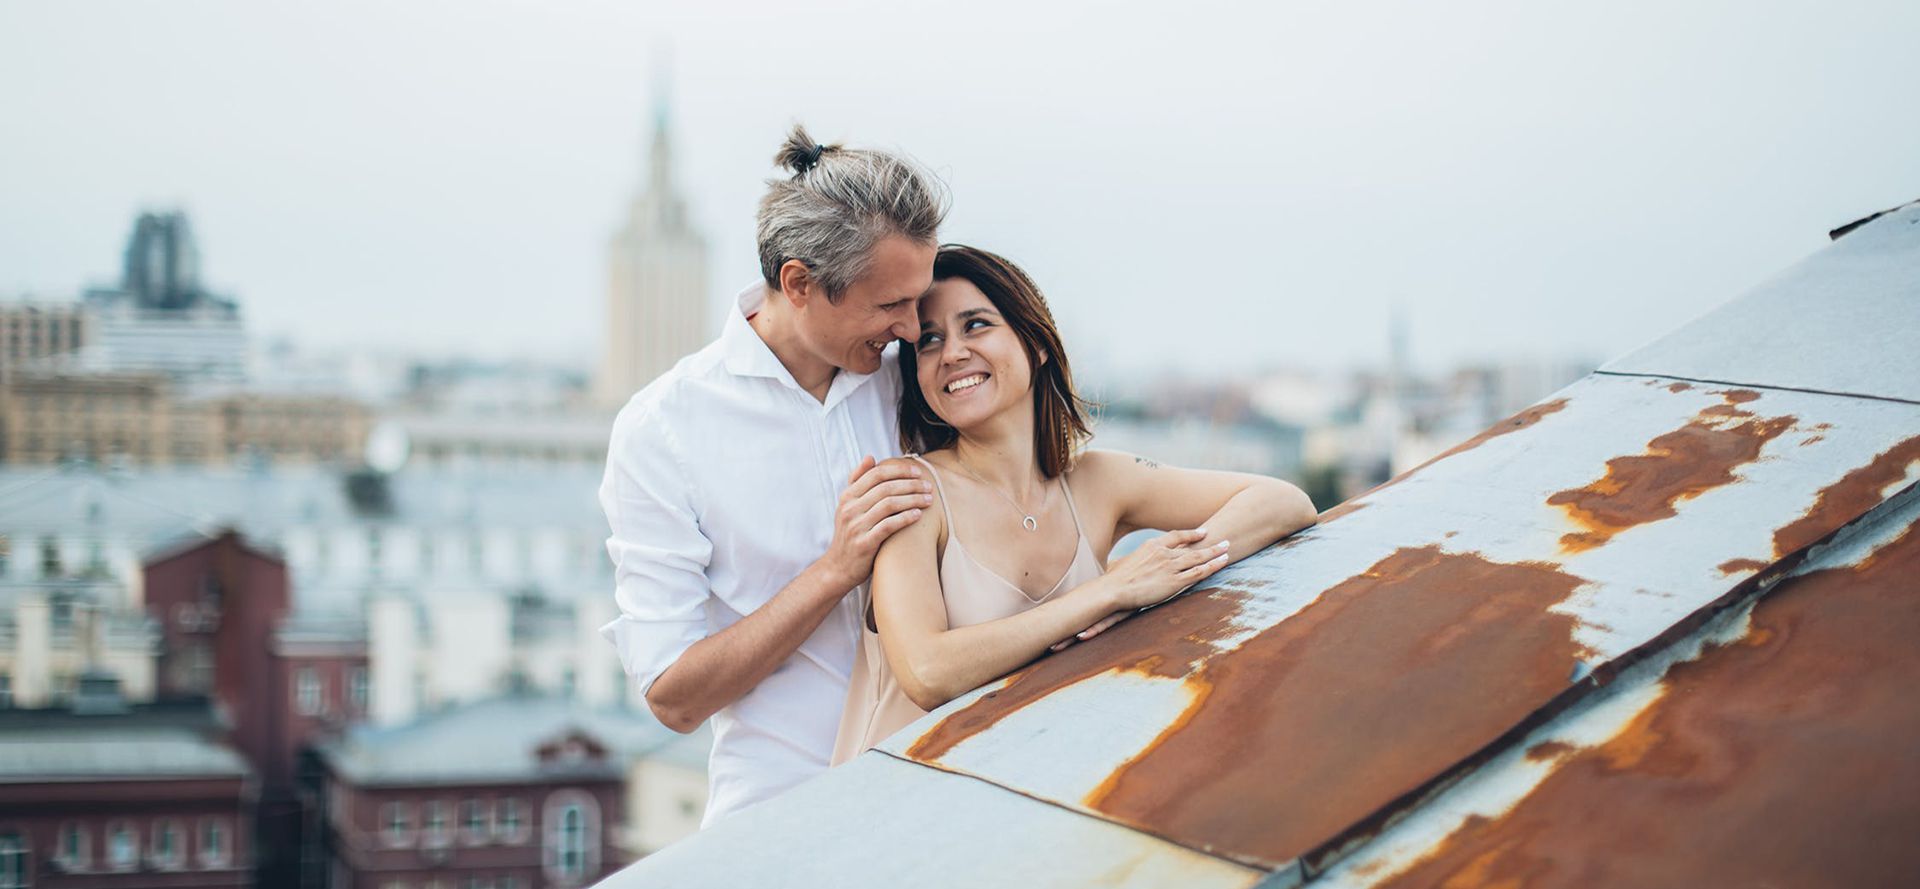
838	203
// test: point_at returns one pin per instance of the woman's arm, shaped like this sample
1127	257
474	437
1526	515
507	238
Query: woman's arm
1252	511
935	663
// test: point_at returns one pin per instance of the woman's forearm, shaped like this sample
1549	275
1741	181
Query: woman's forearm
1260	514
953	662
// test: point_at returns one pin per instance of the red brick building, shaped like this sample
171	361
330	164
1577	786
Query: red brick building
280	682
512	793
146	797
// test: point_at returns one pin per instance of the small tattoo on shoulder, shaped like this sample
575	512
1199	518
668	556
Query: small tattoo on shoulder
1146	462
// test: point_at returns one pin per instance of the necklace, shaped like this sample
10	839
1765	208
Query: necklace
1027	520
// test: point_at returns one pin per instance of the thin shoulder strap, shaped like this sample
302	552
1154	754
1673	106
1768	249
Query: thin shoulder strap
942	490
1071	508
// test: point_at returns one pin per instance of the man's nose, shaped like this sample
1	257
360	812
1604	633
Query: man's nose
907	327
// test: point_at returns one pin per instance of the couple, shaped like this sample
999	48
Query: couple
781	571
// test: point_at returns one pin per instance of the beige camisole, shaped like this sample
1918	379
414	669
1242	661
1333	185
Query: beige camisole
876	707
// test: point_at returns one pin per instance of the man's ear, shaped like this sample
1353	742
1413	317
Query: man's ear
797	283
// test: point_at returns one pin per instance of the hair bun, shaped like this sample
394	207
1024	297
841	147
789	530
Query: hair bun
800	153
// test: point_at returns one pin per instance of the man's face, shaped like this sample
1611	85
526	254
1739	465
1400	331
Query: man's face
880	307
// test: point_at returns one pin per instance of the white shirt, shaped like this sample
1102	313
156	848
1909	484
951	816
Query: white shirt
722	480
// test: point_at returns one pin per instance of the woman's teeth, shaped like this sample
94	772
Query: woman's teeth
966	383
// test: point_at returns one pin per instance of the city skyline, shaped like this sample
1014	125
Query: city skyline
1523	185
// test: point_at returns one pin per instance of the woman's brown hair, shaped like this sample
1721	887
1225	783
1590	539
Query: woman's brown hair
1059	415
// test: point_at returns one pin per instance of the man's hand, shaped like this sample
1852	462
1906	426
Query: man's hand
878	501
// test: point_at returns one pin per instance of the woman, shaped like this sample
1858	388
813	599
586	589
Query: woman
1010	563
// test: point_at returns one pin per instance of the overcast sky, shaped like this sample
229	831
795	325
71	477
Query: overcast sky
1209	188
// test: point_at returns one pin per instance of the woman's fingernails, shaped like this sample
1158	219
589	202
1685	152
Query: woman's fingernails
1222	544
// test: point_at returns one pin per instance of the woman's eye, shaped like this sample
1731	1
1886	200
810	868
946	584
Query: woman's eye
972	321
926	341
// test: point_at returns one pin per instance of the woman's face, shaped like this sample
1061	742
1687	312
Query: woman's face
971	364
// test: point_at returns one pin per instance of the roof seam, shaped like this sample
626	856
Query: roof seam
1661	376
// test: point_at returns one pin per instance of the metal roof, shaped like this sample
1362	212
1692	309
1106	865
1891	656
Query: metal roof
492	741
1387	694
111	752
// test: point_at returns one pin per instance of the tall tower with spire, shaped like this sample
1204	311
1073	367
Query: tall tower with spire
656	279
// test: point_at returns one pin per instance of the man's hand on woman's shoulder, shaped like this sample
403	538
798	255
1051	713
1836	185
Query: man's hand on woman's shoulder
879	500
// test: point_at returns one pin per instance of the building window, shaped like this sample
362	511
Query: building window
511	882
6	691
573	842
473	820
123	847
396	824
75	849
571	851
13	861
306	691
213	842
166	843
49	557
507	820
357	689
374	556
434	822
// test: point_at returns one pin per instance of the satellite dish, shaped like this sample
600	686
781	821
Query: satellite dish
387	448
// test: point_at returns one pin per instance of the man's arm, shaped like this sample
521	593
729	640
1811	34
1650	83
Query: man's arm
721	668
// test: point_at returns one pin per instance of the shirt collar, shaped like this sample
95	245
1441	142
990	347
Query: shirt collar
747	355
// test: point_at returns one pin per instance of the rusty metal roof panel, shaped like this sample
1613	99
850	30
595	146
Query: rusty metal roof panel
1315	685
1774	746
883	822
1843	320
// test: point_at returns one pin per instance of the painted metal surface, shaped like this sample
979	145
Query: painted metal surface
1776	746
1271	717
1841	321
883	822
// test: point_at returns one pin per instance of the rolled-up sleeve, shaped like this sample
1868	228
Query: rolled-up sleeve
659	555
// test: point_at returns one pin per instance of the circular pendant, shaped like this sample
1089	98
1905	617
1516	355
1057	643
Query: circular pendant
1029	523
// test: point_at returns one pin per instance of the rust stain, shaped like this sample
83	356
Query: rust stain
1549	750
1735	566
1676	388
1515	423
1738	396
1783	759
1166	641
1381	683
1353	505
1847	499
1677	466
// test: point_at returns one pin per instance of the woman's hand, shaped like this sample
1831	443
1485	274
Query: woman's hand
1161	568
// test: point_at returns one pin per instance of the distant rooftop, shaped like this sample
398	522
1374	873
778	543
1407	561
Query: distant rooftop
492	742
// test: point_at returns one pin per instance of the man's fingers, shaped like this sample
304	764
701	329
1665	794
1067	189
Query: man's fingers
916	494
873	476
866	463
884	528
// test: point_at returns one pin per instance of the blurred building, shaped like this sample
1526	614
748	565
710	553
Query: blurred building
161	318
509	792
656	281
134	797
32	331
142	419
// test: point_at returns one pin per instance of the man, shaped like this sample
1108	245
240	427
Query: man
741	485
